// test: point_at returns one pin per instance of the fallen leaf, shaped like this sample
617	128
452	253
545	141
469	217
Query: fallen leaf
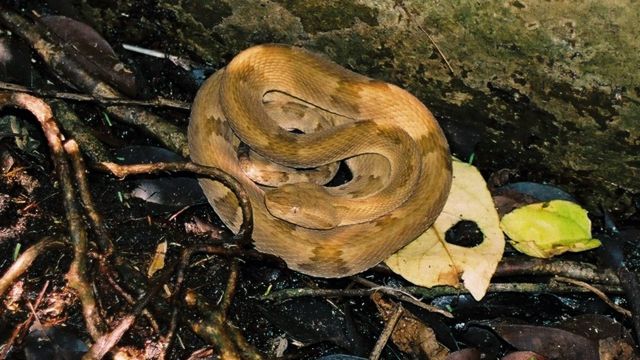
550	342
524	355
410	334
614	340
430	260
549	228
92	52
158	259
465	354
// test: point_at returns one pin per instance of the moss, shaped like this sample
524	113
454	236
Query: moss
320	15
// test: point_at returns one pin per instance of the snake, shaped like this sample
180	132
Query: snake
281	119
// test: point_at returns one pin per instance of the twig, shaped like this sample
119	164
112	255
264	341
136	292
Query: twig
185	64
286	294
23	262
523	288
242	238
526	288
106	270
542	267
232	285
400	294
104	239
157	102
77	274
177	292
20	330
212	325
386	333
105	343
217	330
596	291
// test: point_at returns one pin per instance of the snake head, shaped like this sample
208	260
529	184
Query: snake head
303	204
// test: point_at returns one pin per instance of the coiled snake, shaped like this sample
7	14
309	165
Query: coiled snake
305	113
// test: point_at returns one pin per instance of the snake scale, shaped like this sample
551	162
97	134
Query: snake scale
304	113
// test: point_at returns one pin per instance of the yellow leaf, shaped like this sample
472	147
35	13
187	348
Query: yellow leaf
430	260
158	259
550	228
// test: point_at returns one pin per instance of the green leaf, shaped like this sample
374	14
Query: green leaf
550	228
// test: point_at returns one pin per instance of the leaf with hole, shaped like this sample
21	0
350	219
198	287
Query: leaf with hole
430	260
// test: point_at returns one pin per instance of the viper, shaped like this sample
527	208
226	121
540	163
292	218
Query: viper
279	119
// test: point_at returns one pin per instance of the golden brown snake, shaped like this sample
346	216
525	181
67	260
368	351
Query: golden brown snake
394	147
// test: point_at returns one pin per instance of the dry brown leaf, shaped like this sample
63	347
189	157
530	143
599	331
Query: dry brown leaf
430	260
410	334
158	259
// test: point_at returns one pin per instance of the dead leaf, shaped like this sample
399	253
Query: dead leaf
430	260
524	355
465	354
614	340
612	349
92	52
551	342
410	334
158	259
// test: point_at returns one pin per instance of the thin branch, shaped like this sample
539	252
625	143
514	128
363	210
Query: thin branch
514	266
437	291
232	285
80	131
400	294
24	261
105	343
286	294
21	329
243	237
212	325
214	328
386	333
77	274
596	291
157	102
80	173
185	259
